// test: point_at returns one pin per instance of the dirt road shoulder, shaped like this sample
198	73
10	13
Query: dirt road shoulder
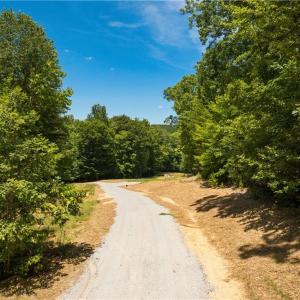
244	244
214	265
66	262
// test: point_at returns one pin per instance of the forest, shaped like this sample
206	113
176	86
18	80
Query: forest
118	147
238	121
239	114
43	149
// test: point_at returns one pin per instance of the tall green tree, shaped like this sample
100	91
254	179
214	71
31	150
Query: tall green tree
98	112
31	130
30	192
29	60
184	94
133	146
96	146
166	151
246	129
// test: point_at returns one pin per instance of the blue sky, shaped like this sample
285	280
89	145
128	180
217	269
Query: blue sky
119	54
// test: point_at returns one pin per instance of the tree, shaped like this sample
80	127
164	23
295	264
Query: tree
96	146
171	120
31	134
30	192
29	60
69	164
98	112
238	115
122	147
133	146
184	94
166	150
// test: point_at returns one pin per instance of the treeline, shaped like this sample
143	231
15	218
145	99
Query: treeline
120	147
42	148
239	114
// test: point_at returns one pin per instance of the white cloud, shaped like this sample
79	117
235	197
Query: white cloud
89	58
119	24
194	35
168	29
163	28
158	52
166	24
175	5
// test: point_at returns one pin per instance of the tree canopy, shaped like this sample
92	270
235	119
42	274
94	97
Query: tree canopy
122	147
238	121
239	114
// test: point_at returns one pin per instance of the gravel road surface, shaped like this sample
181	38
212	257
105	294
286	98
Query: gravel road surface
142	257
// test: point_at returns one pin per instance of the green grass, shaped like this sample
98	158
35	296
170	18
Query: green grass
144	179
159	177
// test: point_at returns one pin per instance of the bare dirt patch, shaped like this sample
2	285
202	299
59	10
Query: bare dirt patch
238	239
66	262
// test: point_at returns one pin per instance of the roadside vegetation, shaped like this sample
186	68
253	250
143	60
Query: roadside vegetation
237	123
68	249
43	150
239	114
32	145
67	233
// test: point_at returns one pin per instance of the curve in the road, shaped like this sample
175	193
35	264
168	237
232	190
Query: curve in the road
143	256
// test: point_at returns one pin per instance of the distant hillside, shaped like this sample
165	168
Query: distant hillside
169	128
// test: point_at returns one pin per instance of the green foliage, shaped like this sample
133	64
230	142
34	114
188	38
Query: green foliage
121	147
69	165
239	114
30	61
29	189
98	112
171	120
168	151
184	95
133	147
95	147
165	127
31	127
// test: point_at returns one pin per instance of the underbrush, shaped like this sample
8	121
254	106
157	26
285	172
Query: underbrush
54	238
66	234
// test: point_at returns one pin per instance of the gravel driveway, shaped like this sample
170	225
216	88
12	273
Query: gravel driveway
143	256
